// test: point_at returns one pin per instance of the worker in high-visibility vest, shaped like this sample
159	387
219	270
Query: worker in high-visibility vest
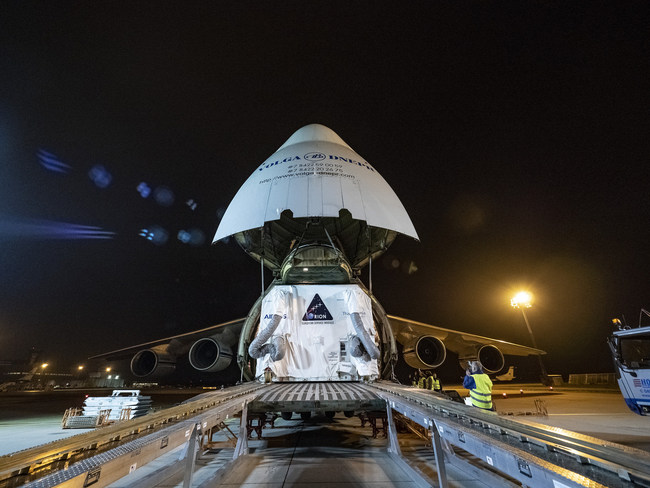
435	383
422	380
479	385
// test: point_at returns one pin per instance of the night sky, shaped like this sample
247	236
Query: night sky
516	134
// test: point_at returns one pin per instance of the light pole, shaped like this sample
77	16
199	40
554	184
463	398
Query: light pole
42	378
522	301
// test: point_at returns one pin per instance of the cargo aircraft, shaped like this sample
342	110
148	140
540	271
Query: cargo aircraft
314	214
29	368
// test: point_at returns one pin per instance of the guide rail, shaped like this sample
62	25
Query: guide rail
534	454
33	463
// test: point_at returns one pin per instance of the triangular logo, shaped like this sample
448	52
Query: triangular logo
317	310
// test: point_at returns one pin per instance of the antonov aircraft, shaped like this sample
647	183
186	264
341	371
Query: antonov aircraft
314	214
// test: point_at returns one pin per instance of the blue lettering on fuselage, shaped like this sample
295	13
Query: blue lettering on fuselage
280	161
352	161
316	156
270	316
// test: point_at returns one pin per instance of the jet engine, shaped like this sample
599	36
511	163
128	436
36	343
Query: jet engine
426	352
491	358
210	355
153	362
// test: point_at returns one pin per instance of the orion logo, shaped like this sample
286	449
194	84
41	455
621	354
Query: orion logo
314	156
317	310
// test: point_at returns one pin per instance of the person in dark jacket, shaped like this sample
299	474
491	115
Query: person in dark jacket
479	385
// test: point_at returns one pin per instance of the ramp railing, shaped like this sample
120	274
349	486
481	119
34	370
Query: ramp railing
533	454
111	452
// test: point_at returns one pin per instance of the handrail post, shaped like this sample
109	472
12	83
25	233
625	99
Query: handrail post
393	445
191	457
242	440
440	456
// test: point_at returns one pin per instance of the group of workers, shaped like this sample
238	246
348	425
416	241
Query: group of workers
427	380
476	381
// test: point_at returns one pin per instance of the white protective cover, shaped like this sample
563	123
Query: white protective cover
316	326
315	174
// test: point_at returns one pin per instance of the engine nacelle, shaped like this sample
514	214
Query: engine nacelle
210	355
427	352
153	362
491	358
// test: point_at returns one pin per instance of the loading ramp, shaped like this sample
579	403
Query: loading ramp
515	453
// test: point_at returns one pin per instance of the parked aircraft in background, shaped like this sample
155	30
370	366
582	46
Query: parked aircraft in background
507	376
315	213
22	371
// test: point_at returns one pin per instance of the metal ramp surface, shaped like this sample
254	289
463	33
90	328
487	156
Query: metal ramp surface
307	397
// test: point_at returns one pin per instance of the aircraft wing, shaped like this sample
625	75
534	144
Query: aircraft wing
180	344
408	331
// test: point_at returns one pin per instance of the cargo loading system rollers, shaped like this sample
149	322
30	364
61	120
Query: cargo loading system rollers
508	452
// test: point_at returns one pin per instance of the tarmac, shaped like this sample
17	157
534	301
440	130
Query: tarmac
316	452
33	418
598	412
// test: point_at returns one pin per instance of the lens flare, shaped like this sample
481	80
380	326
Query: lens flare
164	196
100	176
155	234
48	229
51	162
144	190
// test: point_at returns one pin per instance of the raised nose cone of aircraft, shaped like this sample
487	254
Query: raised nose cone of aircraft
315	176
313	133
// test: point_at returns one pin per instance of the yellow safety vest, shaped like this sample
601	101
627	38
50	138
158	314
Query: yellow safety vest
482	394
436	384
421	382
